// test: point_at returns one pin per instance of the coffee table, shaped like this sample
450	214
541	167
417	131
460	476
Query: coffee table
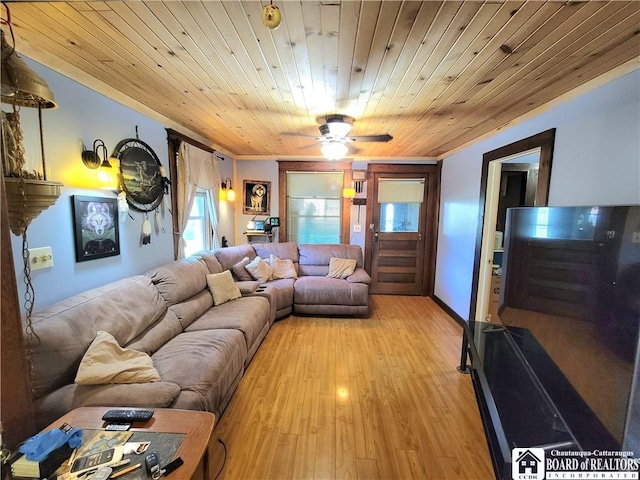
196	426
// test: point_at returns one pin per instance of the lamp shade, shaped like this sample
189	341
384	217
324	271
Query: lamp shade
231	195
334	150
20	84
348	192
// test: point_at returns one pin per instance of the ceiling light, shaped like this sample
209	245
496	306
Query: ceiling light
334	150
271	16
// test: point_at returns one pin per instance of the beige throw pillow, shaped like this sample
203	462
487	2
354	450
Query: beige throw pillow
107	362
222	287
240	271
260	270
282	268
341	267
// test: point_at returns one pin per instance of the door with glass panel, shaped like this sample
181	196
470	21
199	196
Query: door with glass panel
400	243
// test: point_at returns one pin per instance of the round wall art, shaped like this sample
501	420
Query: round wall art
141	174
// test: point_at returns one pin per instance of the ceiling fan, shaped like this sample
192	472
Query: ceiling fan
335	136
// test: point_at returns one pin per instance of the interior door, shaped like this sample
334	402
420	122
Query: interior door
400	232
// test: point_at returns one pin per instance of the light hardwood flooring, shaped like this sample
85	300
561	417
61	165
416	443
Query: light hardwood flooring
345	398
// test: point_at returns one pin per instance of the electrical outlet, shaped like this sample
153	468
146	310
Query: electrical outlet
357	228
635	238
40	258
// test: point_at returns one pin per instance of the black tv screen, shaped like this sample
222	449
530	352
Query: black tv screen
570	284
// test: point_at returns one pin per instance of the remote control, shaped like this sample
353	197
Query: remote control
127	415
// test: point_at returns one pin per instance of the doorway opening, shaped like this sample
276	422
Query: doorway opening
514	159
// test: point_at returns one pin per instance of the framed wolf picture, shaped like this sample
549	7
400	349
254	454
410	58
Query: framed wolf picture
96	227
257	197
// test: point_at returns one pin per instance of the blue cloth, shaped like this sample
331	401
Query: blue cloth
38	447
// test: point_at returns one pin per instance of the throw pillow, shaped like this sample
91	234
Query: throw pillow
282	268
341	267
240	271
222	287
260	270
107	362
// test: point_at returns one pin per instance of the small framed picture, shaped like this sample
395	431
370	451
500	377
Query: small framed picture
95	224
257	197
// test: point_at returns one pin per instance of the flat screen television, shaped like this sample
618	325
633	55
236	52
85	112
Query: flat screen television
570	299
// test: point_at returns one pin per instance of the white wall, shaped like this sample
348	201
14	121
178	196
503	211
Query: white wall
596	161
83	116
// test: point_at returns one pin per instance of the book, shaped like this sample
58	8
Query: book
43	469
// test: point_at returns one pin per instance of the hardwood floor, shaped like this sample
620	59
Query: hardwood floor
344	398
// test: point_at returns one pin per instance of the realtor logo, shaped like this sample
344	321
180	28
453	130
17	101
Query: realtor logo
527	464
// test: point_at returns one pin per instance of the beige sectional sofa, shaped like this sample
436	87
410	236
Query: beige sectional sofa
200	350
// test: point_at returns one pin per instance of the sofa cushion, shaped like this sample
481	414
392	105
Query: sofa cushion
204	362
228	257
240	272
341	267
281	250
125	309
314	259
282	268
222	287
210	260
312	290
190	309
260	270
283	292
248	287
360	275
247	314
137	395
180	280
157	334
107	362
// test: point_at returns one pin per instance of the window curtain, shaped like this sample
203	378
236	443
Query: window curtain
197	170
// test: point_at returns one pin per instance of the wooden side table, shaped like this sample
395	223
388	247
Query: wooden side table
196	426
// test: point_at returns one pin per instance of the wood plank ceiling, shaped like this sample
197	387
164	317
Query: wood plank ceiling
434	75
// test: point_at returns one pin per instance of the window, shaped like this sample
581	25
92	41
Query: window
198	227
400	201
314	207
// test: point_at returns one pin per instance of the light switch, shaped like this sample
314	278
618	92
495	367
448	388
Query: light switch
357	228
40	258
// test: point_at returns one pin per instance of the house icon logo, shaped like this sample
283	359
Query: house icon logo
527	464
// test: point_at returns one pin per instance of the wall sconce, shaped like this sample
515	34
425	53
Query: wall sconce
226	187
348	192
92	160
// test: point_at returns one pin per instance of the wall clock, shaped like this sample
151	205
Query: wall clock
142	176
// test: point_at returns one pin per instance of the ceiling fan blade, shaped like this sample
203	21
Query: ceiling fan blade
353	149
294	134
371	138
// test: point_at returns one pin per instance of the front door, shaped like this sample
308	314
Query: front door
402	232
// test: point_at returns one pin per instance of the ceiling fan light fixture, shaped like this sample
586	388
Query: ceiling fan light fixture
339	129
334	150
